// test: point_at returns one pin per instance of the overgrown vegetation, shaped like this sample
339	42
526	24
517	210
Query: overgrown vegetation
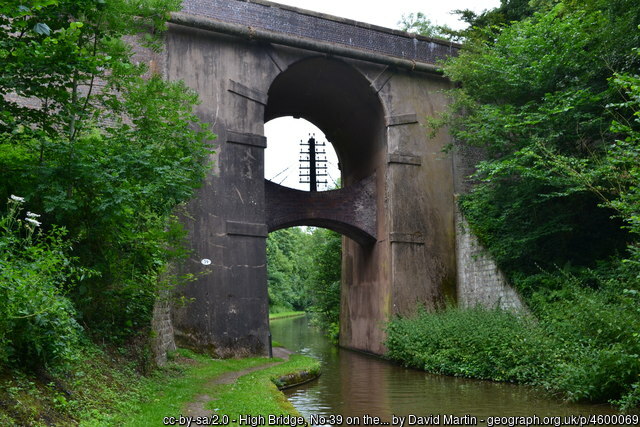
37	322
103	151
582	345
95	154
107	389
304	274
95	382
288	267
257	392
550	91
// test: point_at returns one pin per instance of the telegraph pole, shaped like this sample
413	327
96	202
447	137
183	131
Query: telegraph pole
316	160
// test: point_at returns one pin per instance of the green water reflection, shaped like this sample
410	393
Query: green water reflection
354	384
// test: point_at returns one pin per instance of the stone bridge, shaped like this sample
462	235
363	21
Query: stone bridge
370	90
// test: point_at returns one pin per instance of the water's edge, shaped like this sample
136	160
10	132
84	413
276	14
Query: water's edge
357	385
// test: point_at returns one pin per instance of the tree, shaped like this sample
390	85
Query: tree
304	270
538	92
553	99
99	145
419	23
507	12
324	283
289	264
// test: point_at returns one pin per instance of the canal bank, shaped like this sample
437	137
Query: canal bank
197	390
355	384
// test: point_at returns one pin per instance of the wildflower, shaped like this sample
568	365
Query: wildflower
33	221
17	199
32	215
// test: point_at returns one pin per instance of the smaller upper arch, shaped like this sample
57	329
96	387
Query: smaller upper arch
338	99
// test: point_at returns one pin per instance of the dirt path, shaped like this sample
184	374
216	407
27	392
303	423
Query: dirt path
197	407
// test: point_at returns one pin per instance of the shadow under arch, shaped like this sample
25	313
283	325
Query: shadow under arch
339	100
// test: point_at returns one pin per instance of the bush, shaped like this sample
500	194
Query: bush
324	283
107	149
304	274
474	343
583	346
597	338
37	324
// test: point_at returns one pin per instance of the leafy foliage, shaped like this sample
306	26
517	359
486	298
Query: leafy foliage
37	324
304	274
484	25
289	266
595	339
100	145
537	97
549	90
583	344
325	280
477	343
419	23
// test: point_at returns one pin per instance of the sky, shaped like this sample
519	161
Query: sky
388	13
285	134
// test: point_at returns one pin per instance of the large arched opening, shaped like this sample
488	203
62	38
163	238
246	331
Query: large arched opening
287	155
340	101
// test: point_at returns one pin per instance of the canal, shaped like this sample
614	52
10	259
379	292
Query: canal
356	385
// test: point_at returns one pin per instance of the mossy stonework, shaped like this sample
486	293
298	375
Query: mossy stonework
295	379
370	90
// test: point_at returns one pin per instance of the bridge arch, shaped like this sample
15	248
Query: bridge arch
370	90
338	99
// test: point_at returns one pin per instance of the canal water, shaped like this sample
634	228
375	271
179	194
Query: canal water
357	385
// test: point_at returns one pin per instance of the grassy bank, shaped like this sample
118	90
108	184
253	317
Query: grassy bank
105	389
286	314
95	382
581	344
257	393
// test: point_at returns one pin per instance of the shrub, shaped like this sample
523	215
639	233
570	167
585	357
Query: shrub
107	149
475	343
584	344
596	331
37	324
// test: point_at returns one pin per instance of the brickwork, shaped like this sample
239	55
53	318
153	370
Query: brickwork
155	61
162	327
464	161
317	26
480	282
350	211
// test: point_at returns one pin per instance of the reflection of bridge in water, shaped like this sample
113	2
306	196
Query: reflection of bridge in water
368	89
